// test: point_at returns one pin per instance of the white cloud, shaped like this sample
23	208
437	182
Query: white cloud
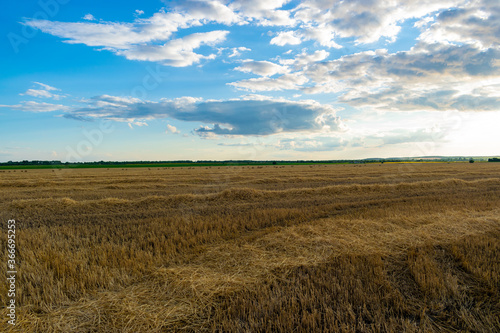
290	80
107	34
477	22
264	12
207	11
236	51
31	106
429	77
312	143
171	129
323	34
427	138
263	68
89	17
139	12
114	101
424	22
305	59
287	38
176	52
366	21
324	22
46	86
454	66
137	123
139	40
38	93
284	82
44	92
405	136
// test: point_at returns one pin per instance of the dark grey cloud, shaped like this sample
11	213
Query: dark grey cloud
483	63
230	117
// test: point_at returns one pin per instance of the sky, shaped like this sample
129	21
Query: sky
87	80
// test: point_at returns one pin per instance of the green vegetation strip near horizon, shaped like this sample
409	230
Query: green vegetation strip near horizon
174	164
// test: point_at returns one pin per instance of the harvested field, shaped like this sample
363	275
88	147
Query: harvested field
320	248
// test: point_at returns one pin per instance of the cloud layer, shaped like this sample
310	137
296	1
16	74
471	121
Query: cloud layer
340	49
31	106
144	39
42	91
454	64
253	115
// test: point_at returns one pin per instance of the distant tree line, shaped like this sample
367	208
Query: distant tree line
35	162
55	163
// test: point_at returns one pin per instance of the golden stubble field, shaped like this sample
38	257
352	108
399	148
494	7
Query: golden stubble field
336	248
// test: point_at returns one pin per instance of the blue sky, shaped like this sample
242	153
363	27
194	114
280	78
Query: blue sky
266	79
